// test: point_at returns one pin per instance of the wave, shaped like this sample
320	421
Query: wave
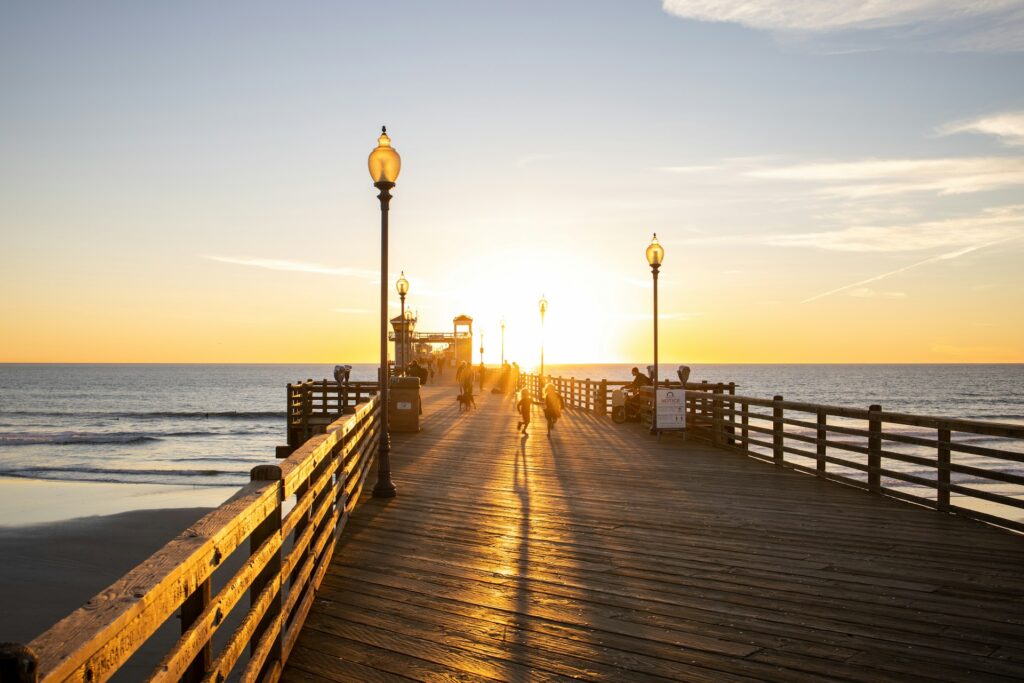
180	415
204	477
94	438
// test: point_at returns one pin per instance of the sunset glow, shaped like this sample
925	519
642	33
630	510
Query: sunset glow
823	191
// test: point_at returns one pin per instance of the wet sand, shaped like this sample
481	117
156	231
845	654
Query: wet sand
49	570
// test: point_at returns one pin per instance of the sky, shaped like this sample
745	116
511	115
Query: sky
832	182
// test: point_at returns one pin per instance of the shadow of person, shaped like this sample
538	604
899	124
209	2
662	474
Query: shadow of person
520	646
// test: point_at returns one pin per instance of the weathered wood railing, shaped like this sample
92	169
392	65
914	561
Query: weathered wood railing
288	553
313	404
937	465
596	395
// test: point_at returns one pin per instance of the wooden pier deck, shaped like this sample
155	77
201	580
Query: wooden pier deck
604	554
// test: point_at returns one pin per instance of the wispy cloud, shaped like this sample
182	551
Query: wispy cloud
293	266
990	25
934	259
991	225
1008	127
868	293
882	177
689	169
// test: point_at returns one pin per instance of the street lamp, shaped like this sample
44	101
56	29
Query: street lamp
502	342
655	255
403	288
543	304
384	164
481	360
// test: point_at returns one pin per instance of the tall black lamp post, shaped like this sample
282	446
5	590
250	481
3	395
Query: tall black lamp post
502	342
384	165
403	288
543	305
655	255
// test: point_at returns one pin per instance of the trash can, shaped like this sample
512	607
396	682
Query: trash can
404	404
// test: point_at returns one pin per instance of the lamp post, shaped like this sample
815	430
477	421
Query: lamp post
543	304
481	360
384	164
655	255
403	288
502	342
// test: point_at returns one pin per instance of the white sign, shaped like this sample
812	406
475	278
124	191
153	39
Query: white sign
404	405
671	409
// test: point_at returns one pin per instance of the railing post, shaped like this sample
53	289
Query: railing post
819	441
874	449
601	405
193	606
731	429
944	460
777	433
263	531
716	416
588	396
745	431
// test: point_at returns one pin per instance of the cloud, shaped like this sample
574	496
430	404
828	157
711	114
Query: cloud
352	311
934	259
293	266
884	177
991	225
984	25
1008	127
868	293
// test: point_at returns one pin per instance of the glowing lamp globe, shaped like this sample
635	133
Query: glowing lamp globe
384	162
543	305
655	252
402	285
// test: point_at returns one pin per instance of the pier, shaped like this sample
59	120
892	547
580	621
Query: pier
761	544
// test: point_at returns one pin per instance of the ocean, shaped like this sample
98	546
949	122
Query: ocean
208	425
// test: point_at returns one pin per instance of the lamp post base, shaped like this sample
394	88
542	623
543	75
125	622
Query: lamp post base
384	488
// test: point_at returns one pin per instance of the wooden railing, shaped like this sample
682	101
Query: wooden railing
936	465
287	554
313	404
596	395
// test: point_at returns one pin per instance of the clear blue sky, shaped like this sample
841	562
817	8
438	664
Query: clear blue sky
849	170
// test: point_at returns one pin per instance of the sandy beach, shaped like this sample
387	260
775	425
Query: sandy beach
49	570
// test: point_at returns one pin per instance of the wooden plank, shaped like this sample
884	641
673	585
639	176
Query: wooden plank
723	568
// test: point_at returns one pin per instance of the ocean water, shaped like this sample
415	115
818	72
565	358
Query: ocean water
193	425
208	425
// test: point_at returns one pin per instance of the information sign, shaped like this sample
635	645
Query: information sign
671	409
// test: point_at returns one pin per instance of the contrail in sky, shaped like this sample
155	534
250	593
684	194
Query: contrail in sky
933	259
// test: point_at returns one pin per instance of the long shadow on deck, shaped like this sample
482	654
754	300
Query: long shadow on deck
603	554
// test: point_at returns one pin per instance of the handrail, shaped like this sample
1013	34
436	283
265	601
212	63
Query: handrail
325	476
851	446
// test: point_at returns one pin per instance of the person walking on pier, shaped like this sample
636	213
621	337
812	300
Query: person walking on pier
552	405
525	407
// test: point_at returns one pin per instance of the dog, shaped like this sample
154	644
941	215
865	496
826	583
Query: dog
466	401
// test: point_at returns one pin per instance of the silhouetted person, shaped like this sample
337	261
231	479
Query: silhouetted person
514	381
639	380
503	379
552	405
524	406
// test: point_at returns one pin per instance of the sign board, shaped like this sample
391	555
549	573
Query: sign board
404	405
671	409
